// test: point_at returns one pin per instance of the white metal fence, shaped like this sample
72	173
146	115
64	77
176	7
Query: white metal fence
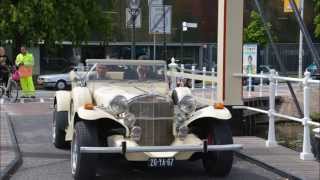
206	92
306	153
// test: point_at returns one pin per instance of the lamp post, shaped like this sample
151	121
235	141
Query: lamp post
134	12
183	29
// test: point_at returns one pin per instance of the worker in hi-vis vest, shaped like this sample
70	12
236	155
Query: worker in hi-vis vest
25	63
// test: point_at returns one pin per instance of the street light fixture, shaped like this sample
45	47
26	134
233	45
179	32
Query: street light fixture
134	12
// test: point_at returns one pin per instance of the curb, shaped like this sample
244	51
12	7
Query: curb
16	163
266	166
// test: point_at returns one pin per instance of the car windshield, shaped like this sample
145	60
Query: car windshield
126	72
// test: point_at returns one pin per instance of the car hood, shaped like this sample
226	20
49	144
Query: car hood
104	94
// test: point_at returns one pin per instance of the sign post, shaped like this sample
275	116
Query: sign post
184	28
159	21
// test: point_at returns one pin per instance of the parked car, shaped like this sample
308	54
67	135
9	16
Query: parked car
131	111
314	70
59	81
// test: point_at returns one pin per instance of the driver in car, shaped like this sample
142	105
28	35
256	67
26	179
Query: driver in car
142	72
101	73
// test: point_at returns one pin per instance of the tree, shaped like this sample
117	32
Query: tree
317	18
51	21
256	32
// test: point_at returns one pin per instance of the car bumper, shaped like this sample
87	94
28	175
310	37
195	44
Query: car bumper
46	84
184	148
180	150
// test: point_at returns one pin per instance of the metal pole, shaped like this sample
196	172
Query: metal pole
261	83
213	84
154	47
173	69
277	84
181	45
282	67
271	142
193	69
250	85
181	80
306	34
134	37
301	41
306	153
164	31
204	70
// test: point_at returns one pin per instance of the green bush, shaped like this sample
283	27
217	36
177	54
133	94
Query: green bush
315	116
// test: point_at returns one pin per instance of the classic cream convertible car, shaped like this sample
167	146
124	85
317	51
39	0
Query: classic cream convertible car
126	107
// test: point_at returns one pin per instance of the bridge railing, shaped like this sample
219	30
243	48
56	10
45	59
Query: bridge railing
181	76
306	121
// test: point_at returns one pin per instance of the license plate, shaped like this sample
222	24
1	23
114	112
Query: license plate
161	162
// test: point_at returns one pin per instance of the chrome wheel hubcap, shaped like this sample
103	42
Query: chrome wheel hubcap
61	85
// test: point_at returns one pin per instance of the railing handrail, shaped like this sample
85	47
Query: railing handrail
202	75
311	81
276	114
193	76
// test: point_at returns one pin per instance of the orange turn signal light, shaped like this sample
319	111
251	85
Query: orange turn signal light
218	106
88	106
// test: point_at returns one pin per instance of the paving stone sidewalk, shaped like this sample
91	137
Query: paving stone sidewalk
8	151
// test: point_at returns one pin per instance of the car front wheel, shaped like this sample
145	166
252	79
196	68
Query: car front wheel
83	165
218	163
61	85
59	124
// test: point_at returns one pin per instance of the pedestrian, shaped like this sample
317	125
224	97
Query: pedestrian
25	63
5	63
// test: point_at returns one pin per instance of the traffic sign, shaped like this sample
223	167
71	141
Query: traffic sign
287	7
129	21
158	18
186	25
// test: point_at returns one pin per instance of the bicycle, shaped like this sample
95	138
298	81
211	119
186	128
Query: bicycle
11	90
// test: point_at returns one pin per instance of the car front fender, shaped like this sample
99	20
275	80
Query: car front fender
81	96
97	114
62	100
209	112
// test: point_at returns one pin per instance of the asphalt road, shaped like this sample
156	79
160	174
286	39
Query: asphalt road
42	161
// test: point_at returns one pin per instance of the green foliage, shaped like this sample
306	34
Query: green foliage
256	32
317	18
51	21
315	116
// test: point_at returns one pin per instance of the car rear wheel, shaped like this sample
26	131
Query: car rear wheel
83	165
61	85
218	163
59	124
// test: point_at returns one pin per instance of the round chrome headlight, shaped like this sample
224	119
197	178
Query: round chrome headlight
119	104
187	104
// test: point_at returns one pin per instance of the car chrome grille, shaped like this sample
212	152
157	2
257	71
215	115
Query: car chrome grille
155	117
